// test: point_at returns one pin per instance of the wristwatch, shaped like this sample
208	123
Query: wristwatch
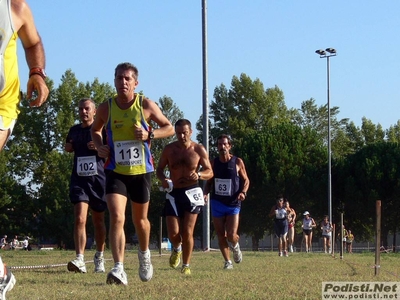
37	71
151	134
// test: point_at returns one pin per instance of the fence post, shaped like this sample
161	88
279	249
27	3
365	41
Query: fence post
333	237
378	238
341	236
160	238
272	242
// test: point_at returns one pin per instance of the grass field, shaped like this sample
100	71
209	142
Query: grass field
261	275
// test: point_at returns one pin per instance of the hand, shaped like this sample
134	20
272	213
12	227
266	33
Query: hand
91	146
140	133
205	197
193	176
241	197
164	183
37	83
103	151
68	146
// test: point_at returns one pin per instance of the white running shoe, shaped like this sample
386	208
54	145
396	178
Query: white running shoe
145	266
98	264
280	254
285	253
7	282
237	254
291	249
228	265
77	266
117	276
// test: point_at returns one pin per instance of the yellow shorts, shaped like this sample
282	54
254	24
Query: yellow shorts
7	123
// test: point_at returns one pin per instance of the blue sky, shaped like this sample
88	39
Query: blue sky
274	41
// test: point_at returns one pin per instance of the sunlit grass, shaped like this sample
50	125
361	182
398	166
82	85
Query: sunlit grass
261	275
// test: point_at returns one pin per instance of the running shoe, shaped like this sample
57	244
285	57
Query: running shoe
98	264
145	266
228	265
117	276
175	258
77	266
291	248
237	254
7	282
185	270
285	253
280	254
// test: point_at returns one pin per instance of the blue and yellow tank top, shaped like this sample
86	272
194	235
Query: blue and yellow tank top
128	156
9	80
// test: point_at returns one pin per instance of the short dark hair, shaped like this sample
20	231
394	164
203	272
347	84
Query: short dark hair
127	66
87	99
225	136
183	122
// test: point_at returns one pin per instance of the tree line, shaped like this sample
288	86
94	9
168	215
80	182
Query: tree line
284	149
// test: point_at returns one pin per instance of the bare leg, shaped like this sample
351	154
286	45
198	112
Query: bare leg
232	225
219	226
174	235
142	224
310	241
99	230
80	214
4	134
116	206
189	221
284	245
305	236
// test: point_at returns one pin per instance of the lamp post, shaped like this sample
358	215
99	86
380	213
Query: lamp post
327	53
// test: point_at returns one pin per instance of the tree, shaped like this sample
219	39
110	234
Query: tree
283	159
393	133
244	109
310	115
372	133
370	174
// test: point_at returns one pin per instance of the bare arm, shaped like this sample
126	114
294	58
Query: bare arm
34	51
68	147
206	169
313	223
97	129
209	183
152	112
272	211
162	163
246	182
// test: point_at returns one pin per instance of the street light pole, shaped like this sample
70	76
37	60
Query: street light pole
206	208
327	53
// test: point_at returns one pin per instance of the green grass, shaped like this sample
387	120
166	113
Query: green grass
261	275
